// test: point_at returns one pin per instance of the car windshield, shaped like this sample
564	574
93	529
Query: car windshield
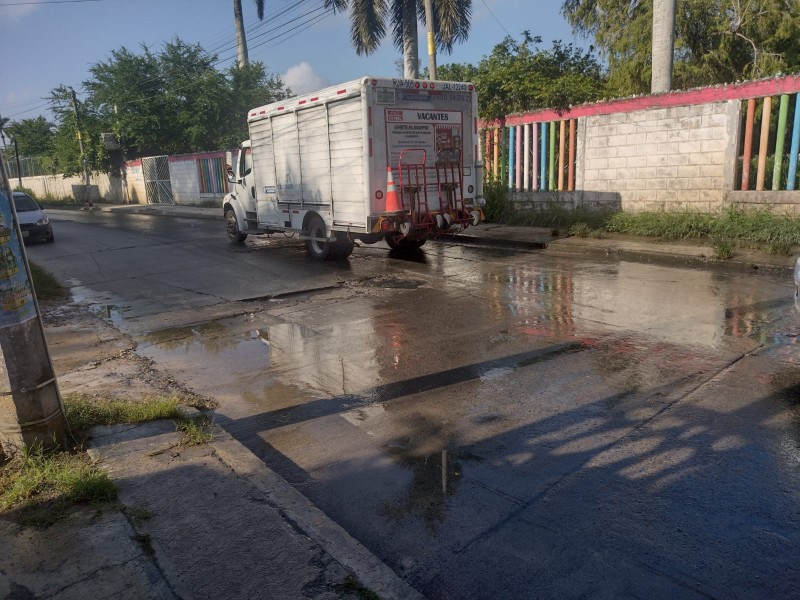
24	203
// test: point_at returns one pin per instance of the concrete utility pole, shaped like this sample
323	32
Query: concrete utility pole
83	150
19	167
431	39
663	45
31	411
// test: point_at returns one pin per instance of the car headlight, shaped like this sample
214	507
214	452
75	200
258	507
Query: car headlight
43	221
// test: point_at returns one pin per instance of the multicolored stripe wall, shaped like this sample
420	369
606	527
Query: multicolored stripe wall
541	150
537	156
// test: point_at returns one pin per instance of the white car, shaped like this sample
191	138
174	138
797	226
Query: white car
34	224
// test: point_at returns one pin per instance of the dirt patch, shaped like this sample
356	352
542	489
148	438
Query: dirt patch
92	357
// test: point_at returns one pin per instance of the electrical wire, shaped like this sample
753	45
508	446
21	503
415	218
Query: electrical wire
33	2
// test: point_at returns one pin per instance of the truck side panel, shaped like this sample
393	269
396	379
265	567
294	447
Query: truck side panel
287	158
264	170
315	184
346	131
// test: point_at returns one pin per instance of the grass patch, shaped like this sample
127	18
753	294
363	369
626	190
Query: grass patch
760	228
721	248
195	431
352	586
46	286
43	484
84	413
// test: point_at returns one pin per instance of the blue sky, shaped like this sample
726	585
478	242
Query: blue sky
47	44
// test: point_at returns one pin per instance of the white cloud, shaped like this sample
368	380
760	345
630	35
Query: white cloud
13	14
302	79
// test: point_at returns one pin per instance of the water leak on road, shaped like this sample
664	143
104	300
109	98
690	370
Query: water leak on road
458	411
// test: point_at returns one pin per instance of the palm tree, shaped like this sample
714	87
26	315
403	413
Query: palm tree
241	40
3	122
368	25
663	45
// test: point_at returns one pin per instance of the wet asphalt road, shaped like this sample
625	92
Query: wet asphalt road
490	423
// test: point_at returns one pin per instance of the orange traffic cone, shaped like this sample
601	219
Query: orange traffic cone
392	199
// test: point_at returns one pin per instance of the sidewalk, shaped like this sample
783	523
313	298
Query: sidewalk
204	521
622	247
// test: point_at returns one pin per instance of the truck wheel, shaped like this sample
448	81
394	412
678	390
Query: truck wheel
317	249
343	247
395	243
232	228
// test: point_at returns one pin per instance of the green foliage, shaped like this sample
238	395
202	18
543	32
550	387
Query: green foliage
753	227
34	136
518	77
666	225
716	41
84	413
195	431
46	286
722	248
496	196
172	101
42	485
558	218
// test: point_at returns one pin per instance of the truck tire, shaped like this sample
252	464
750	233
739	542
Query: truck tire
403	244
343	247
232	228
317	249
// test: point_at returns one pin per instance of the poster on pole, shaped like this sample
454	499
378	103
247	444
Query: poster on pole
16	296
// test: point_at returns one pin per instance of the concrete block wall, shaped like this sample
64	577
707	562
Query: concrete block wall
102	186
676	158
674	151
185	184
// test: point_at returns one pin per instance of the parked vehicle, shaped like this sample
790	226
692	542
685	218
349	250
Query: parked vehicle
34	224
370	159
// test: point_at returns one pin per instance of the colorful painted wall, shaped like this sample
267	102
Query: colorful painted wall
699	150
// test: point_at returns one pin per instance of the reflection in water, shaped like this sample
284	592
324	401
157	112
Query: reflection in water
436	477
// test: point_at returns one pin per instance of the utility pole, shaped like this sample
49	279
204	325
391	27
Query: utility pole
83	150
31	410
431	39
19	168
663	45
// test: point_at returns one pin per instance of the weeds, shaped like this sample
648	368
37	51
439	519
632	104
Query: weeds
84	413
43	484
722	248
46	286
352	586
195	431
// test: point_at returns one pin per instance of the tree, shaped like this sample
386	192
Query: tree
519	77
34	136
368	20
241	41
716	41
663	45
3	122
169	102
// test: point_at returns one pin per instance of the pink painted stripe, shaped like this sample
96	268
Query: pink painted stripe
737	91
183	157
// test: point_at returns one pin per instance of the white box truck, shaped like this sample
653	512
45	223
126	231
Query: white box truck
371	159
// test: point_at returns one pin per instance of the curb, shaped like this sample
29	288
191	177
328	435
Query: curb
702	259
495	242
310	520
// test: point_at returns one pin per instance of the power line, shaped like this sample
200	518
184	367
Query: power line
496	19
45	2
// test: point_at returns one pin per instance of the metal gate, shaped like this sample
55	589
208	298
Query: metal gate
157	184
